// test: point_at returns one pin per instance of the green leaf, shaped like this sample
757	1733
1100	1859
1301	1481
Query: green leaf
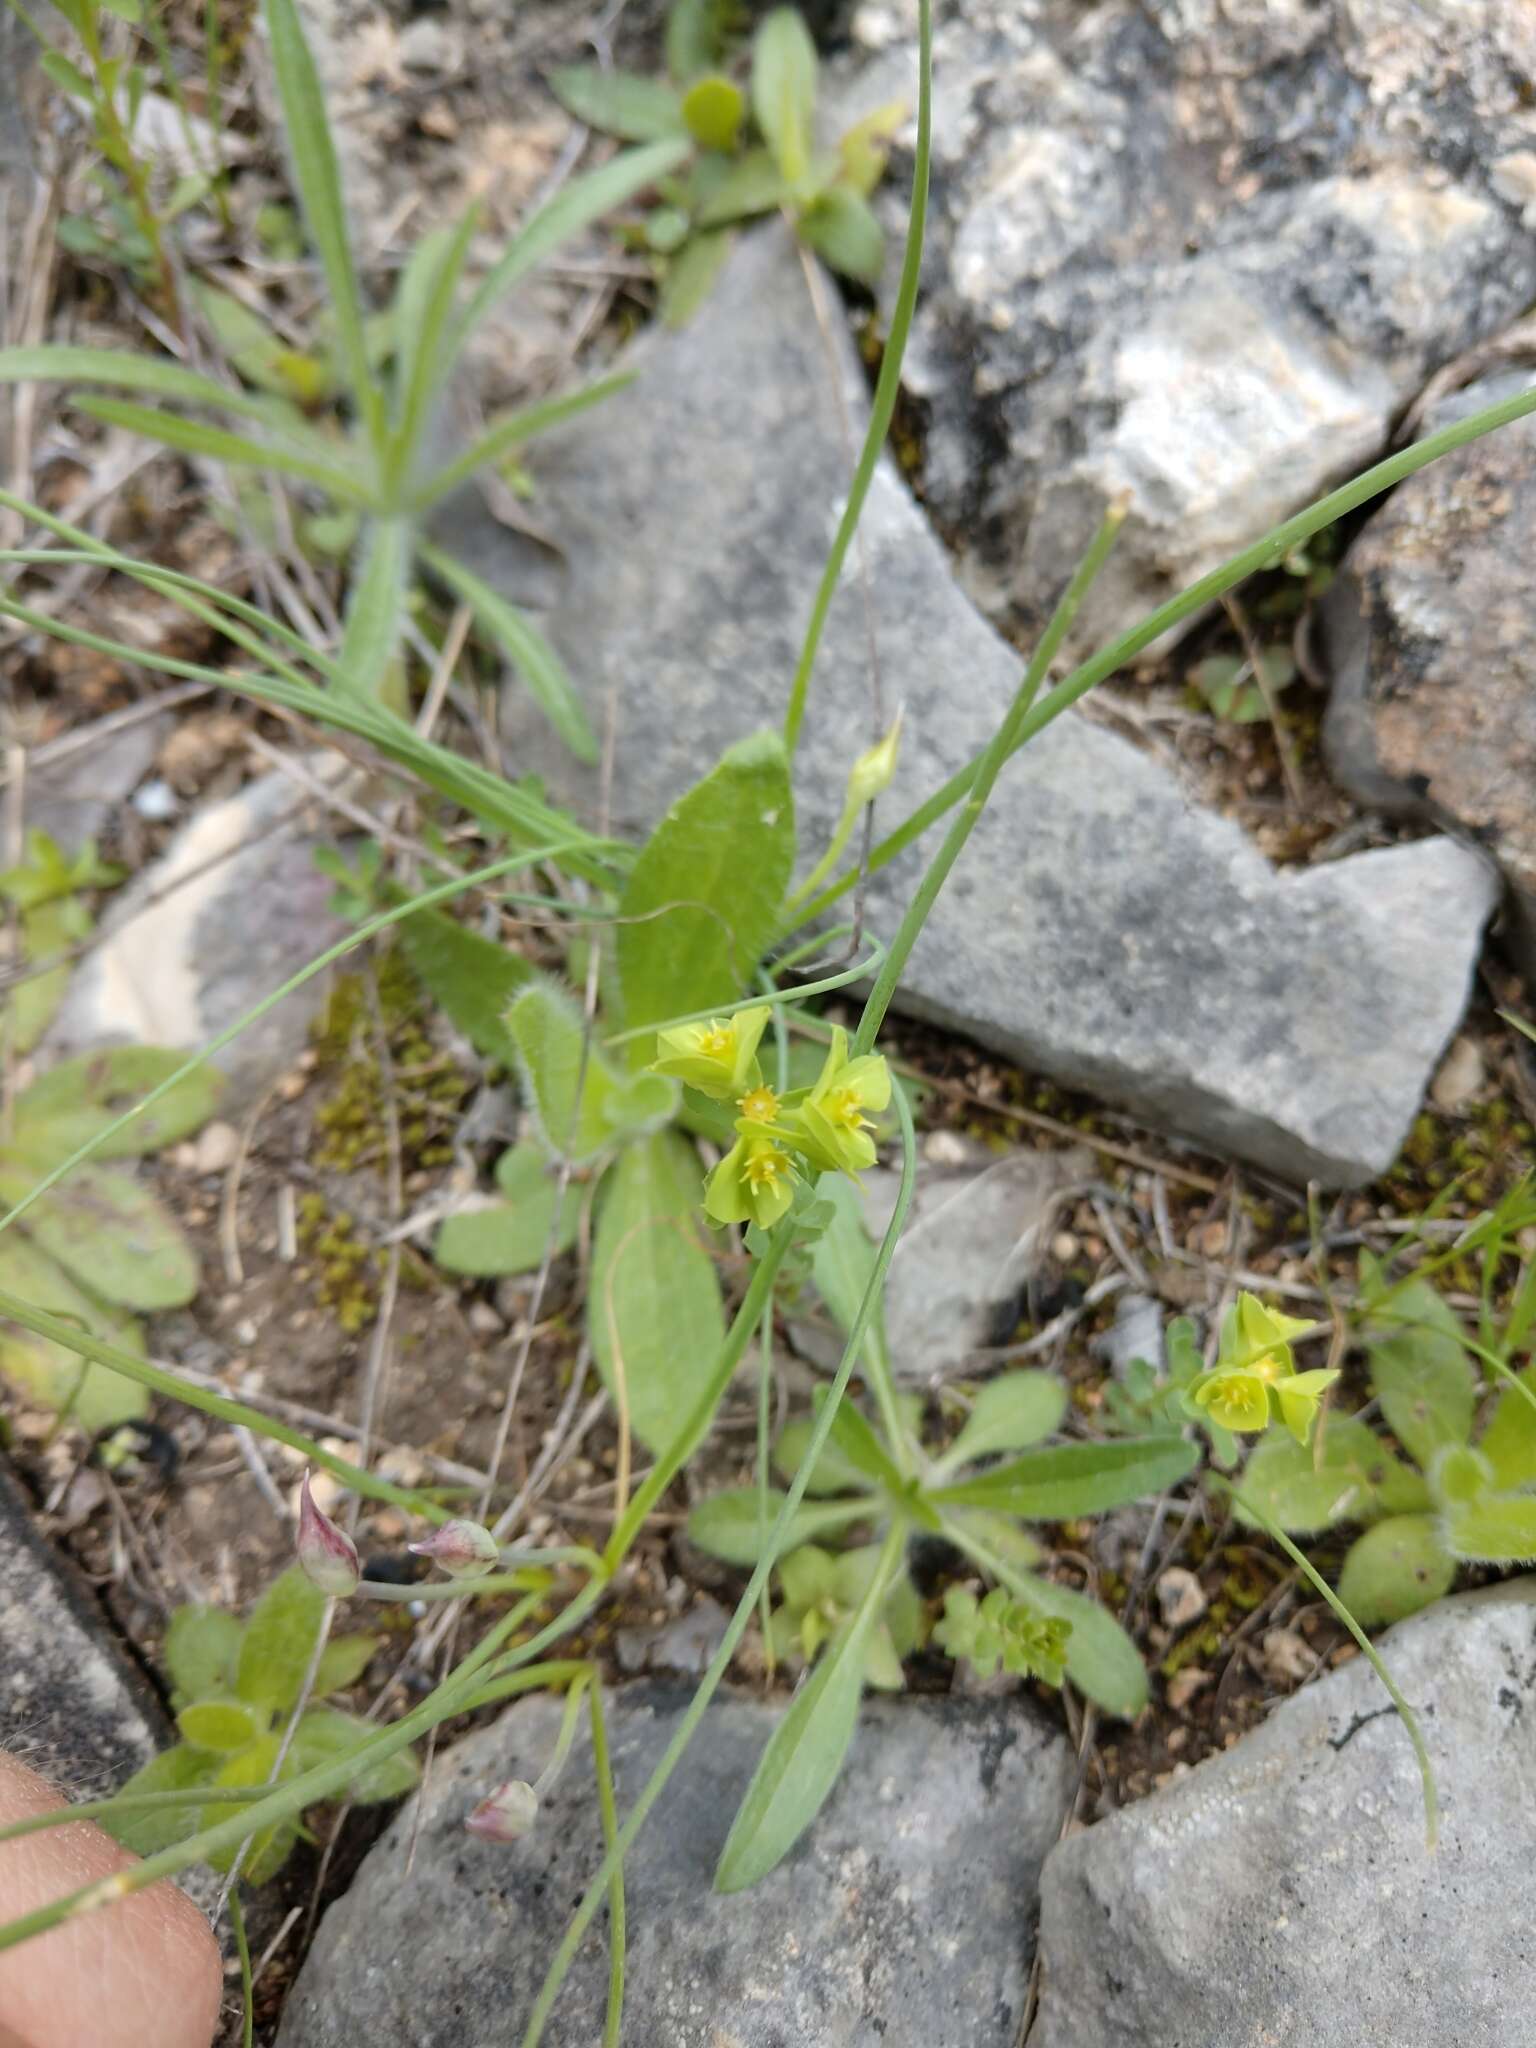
1420	1370
834	1472
694	39
224	1725
155	374
312	155
713	110
621	103
511	1236
269	1848
1076	1479
1509	1441
859	1445
47	930
326	1733
690	276
257	353
279	1641
804	1755
1009	1413
1353	1478
471	977
1000	1535
109	1233
754	184
525	647
175	1770
1395	1569
423	311
1495	1529
343	1662
578	203
220	445
840	227
1102	1661
704	897
201	1647
583	1107
653	1310
843	1263
784	89
375	606
729	1524
80	1097
51	1373
513	429
67	76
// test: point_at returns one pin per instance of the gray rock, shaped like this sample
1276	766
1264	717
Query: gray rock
1206	252
72	798
1282	1892
71	1704
1100	927
239	906
900	1921
973	1239
686	1643
1428	634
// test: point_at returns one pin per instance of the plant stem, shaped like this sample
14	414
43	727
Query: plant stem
1406	1714
821	1430
1263	554
607	1806
988	767
887	385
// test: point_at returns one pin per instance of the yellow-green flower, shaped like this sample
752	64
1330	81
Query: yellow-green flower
830	1125
1255	1374
718	1058
754	1182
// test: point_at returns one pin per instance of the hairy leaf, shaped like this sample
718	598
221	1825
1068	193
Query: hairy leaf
1009	1413
110	1234
653	1310
1395	1569
1494	1529
1509	1441
511	1236
1076	1479
326	1733
51	1373
180	1769
1420	1370
471	977
582	1106
704	897
201	1648
1350	1476
80	1097
225	1725
834	1471
279	1641
343	1662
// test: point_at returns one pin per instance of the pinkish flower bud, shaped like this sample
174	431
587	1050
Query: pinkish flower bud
465	1550
505	1815
327	1555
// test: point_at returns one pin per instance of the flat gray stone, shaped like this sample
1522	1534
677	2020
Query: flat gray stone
1428	634
239	906
71	1704
1206	250
901	1920
1101	927
73	798
1282	1893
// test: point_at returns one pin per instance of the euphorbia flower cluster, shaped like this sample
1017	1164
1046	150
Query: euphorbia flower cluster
827	1125
1255	1374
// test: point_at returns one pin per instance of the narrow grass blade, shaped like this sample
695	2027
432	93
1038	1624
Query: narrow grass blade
510	430
421	323
318	179
525	647
574	207
155	374
375	606
219	444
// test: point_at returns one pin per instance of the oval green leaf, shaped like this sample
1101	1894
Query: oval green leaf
1395	1569
1009	1413
733	1524
1077	1479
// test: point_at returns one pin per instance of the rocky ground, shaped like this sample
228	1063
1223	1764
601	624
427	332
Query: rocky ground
1223	257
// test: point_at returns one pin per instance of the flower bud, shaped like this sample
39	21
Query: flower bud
465	1550
870	776
327	1555
505	1815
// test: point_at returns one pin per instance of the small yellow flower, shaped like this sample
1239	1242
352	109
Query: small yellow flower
718	1058
759	1105
1255	1374
830	1126
754	1182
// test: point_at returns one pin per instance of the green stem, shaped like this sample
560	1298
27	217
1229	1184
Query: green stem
820	1431
988	767
607	1806
773	997
129	1802
887	385
1263	554
1406	1714
247	1982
